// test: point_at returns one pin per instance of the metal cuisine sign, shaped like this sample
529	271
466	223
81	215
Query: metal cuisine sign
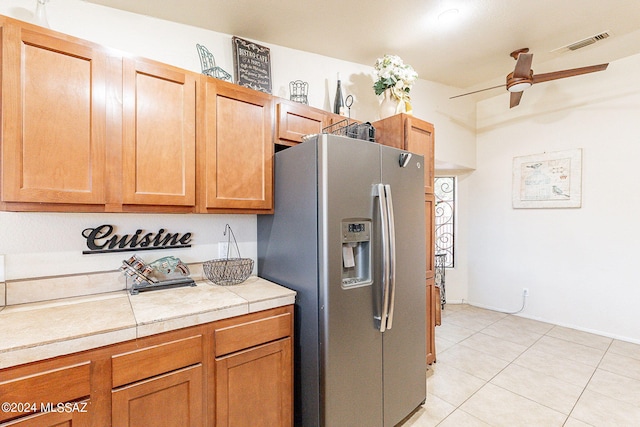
103	240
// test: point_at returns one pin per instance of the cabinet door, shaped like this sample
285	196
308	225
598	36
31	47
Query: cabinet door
53	124
296	120
255	387
412	134
419	139
173	399
159	134
238	148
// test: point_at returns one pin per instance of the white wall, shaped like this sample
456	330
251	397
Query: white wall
44	244
580	265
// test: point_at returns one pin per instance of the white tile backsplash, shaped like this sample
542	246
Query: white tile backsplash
44	289
34	290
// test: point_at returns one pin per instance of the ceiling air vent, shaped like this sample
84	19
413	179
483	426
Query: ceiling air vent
584	42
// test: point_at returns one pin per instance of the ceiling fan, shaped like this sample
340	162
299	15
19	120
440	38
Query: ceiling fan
522	76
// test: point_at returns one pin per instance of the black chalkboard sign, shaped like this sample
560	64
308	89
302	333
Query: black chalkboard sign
251	65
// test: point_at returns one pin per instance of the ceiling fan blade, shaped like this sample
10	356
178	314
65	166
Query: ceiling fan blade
523	66
539	78
515	99
476	91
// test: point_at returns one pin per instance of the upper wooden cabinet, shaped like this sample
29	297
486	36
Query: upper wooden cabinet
159	134
85	128
53	119
235	157
295	120
409	133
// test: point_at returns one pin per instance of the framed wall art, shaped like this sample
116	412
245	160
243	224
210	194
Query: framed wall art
251	65
548	180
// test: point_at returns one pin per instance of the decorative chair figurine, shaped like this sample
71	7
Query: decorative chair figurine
208	63
299	90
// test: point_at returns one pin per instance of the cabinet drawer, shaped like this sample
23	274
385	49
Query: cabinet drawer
155	360
54	386
232	338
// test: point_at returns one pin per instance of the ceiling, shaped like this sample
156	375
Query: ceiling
468	52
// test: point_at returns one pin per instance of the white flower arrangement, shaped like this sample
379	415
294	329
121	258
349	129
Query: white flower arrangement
394	74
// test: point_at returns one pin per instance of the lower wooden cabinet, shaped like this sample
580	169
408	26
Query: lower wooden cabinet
177	396
178	378
253	387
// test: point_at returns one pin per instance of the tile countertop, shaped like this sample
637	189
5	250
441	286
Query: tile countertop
47	329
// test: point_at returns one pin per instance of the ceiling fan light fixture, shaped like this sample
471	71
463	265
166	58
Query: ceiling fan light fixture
448	16
519	87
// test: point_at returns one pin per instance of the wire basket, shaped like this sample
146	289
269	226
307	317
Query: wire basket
228	271
355	130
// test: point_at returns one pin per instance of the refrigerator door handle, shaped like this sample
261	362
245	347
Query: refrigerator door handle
392	256
379	191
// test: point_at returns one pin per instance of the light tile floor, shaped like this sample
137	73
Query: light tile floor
495	369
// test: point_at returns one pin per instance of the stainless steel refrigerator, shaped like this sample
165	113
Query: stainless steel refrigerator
348	234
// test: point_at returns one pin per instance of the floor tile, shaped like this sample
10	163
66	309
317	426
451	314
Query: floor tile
453	333
569	350
453	385
502	408
468	322
513	333
431	414
559	367
453	308
616	386
473	362
499	370
540	388
525	324
487	315
505	350
625	349
622	365
599	410
572	422
580	337
459	418
442	343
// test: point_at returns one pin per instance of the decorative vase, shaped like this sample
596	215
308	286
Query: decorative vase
390	105
40	14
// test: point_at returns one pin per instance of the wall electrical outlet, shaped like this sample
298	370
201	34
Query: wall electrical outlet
525	292
223	247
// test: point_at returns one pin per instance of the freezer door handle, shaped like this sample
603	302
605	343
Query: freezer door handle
379	191
392	256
